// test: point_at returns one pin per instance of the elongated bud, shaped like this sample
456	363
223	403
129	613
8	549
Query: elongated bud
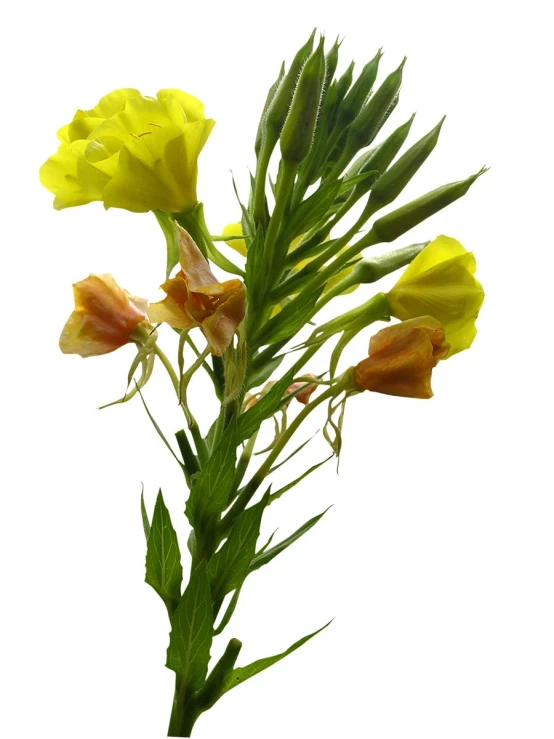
394	180
393	225
344	82
373	269
263	123
298	132
379	158
369	120
331	60
279	106
360	90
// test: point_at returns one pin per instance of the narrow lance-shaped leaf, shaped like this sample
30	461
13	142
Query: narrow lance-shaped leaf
265	557
278	493
212	486
191	635
229	567
290	319
163	558
240	674
144	516
252	419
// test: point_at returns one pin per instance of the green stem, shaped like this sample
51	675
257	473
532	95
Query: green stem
183	714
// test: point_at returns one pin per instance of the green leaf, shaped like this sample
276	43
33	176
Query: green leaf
229	567
294	316
228	613
264	557
144	514
167	224
256	272
312	210
212	486
191	635
163	558
277	494
251	420
240	674
260	376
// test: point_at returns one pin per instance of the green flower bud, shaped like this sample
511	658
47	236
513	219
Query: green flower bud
298	132
393	225
279	106
394	180
332	59
360	91
373	269
263	123
371	117
344	82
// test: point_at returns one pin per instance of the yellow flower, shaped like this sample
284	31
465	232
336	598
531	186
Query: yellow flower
130	151
196	298
239	245
440	283
104	318
401	358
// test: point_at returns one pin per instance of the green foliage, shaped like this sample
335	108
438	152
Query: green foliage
241	674
191	635
229	566
163	557
212	486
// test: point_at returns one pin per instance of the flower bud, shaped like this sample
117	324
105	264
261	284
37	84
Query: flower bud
360	90
260	134
279	106
394	180
374	268
298	132
393	225
344	82
369	120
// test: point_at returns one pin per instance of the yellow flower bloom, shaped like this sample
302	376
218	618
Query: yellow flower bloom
104	318
401	358
239	245
130	151
440	283
196	298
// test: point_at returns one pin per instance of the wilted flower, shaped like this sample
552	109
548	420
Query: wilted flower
196	298
105	317
302	390
130	151
440	283
401	358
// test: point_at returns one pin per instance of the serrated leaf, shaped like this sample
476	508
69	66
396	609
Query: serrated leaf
240	674
294	316
212	486
264	557
191	635
163	558
266	407
229	566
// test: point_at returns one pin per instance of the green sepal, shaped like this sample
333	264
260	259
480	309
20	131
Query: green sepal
167	224
265	557
163	558
229	566
212	486
241	674
191	635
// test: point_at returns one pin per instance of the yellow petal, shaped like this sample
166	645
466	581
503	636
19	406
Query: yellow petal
235	229
159	171
61	175
191	106
113	103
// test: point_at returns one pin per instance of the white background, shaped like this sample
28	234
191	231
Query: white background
437	558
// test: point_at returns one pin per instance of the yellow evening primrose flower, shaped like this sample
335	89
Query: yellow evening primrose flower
440	282
130	151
